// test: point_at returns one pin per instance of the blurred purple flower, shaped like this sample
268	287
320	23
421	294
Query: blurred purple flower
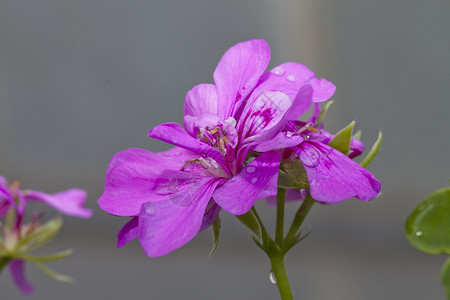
69	202
174	194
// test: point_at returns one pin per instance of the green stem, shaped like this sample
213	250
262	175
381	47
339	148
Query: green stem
279	270
279	229
300	217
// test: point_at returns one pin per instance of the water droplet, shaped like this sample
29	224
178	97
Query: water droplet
307	137
291	78
419	233
310	158
254	180
272	278
150	211
279	71
289	134
250	169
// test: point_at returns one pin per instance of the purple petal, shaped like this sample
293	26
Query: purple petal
69	202
193	124
168	225
201	99
263	117
291	196
356	148
302	102
135	176
211	214
17	270
323	89
174	134
333	177
128	232
4	207
238	73
281	140
256	180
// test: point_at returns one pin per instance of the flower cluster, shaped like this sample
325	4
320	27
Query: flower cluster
237	134
18	236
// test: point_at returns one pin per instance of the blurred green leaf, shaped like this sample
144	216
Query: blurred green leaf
292	175
428	225
373	152
216	235
53	275
445	277
323	112
51	257
40	235
357	135
342	139
4	260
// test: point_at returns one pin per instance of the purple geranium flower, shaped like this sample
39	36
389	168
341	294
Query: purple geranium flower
332	175
173	195
69	202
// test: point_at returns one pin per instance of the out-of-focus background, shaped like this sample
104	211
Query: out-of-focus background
82	80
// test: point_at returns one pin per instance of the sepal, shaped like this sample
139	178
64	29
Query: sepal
373	151
342	139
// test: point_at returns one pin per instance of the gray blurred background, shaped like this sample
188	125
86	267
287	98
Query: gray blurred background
82	80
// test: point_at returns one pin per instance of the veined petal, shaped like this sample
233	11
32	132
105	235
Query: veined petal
69	202
17	270
129	232
281	140
238	73
193	124
135	176
211	214
263	117
256	180
174	134
333	177
201	99
302	102
323	89
168	225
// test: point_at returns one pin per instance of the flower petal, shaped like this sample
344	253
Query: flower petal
17	270
302	102
323	89
333	177
135	176
168	225
174	134
238	73
211	214
256	180
69	202
128	232
201	99
263	117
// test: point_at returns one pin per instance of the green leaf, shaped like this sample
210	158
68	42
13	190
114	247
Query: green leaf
321	116
428	225
4	260
373	152
342	139
292	175
251	222
53	275
55	256
357	135
41	235
445	277
216	234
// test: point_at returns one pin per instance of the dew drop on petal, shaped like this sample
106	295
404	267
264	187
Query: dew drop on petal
250	169
150	211
279	71
419	233
307	137
272	278
254	180
289	134
290	78
310	158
